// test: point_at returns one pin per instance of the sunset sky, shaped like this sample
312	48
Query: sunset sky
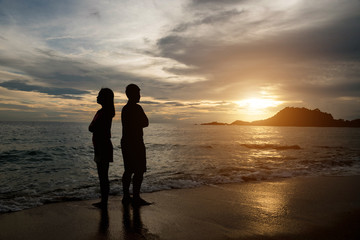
195	61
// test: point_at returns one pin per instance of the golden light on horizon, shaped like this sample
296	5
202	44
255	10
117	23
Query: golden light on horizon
256	104
251	109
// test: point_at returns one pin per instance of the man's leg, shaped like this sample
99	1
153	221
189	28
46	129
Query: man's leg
137	181
126	181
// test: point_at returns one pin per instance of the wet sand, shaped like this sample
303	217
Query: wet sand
299	208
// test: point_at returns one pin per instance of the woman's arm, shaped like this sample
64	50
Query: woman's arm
95	122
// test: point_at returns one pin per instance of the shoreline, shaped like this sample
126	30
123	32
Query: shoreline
295	208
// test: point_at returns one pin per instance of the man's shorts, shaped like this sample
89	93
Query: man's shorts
134	156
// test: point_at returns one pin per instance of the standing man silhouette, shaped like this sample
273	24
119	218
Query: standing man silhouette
133	119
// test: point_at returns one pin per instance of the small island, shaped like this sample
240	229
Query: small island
299	117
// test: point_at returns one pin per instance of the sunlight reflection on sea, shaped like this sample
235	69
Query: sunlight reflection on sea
48	162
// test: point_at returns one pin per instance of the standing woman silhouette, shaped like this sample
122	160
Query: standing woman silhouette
103	148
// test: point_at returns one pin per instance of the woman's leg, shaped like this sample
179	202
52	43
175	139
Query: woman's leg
103	172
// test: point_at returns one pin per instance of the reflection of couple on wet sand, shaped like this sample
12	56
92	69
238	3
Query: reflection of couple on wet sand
133	120
132	228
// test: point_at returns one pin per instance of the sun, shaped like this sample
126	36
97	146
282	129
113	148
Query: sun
255	104
251	109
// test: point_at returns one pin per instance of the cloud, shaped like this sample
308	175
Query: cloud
183	53
217	17
67	93
332	90
202	3
52	68
277	53
335	38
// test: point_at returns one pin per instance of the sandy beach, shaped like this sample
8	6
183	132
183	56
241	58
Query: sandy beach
298	208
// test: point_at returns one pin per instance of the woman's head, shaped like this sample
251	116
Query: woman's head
106	99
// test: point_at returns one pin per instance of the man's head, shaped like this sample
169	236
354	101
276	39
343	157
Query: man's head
133	93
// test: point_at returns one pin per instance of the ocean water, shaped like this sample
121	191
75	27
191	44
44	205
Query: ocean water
45	162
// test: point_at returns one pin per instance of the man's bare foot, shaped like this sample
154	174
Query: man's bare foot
140	202
101	205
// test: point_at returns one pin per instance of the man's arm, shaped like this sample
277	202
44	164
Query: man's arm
144	121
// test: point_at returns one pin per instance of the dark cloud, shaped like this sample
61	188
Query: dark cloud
15	106
332	42
39	114
68	93
48	67
336	41
202	3
150	102
332	90
96	14
326	52
162	103
209	19
34	11
176	104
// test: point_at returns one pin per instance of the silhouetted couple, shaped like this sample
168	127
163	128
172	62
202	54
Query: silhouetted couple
133	120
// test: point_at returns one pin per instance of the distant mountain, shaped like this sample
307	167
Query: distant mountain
214	123
239	122
300	117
